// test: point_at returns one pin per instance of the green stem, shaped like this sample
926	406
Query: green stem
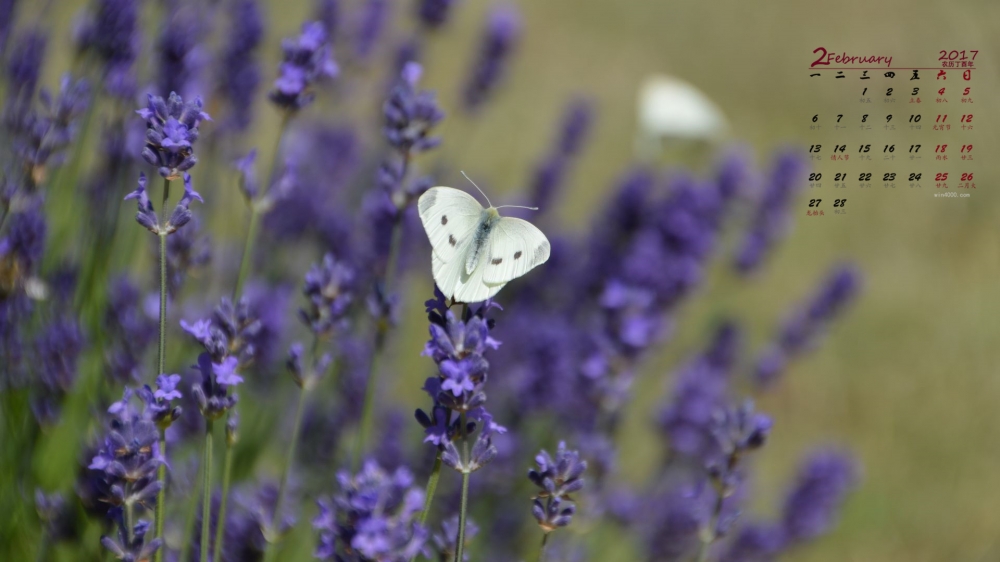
247	253
290	458
368	410
220	523
432	484
43	548
191	513
161	476
541	551
709	536
129	513
460	547
206	500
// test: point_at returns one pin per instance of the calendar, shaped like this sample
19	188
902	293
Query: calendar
901	128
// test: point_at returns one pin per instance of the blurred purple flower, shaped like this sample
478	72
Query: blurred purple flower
329	289
57	351
446	540
772	217
129	330
755	543
239	69
812	506
24	67
371	24
327	12
411	114
503	29
131	546
805	326
434	13
306	60
181	57
373	517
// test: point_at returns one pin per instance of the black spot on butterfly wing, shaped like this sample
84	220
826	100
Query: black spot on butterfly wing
444	220
451	240
517	255
496	261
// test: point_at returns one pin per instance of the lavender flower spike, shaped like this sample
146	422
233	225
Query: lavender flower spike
434	13
239	70
411	114
557	478
500	38
145	216
772	216
306	61
171	130
823	482
182	213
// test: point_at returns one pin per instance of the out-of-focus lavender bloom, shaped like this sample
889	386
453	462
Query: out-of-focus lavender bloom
306	60
159	406
434	13
111	33
269	305
771	219
54	128
557	478
239	70
371	23
212	393
805	326
374	517
8	13
24	244
673	523
446	541
181	58
57	516
737	430
327	12
549	173
700	393
329	288
130	332
57	351
755	543
503	29
23	69
127	457
187	251
411	114
734	177
171	131
812	506
131	547
182	212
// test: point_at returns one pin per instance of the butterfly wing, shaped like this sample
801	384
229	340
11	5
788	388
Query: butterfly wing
468	287
450	217
515	247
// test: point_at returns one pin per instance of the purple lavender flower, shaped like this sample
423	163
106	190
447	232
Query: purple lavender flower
411	114
329	288
8	13
823	482
25	240
23	69
772	215
500	37
111	33
181	58
171	131
159	408
212	394
805	326
228	338
373	517
755	543
327	12
134	549
146	215
57	351
434	13
127	457
239	70
58	517
371	24
54	128
130	332
446	541
700	393
556	478
306	61
187	251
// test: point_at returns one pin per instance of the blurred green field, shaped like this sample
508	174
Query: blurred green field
908	379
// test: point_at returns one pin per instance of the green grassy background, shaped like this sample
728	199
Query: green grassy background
908	380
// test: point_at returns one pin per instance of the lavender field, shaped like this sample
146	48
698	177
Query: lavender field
220	336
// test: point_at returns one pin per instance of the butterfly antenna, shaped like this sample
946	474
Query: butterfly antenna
477	187
517	207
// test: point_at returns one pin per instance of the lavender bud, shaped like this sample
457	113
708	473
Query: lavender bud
500	37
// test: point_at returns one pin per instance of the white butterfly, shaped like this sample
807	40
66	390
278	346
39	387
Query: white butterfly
475	250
